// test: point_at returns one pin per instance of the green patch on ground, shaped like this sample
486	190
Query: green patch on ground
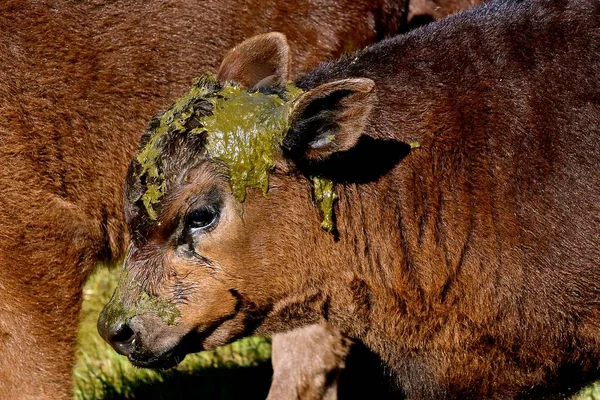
240	370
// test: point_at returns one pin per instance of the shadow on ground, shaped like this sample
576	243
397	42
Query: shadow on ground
246	383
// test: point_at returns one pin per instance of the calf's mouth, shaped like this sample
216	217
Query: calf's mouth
150	340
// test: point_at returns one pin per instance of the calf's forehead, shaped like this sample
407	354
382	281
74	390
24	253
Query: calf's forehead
237	130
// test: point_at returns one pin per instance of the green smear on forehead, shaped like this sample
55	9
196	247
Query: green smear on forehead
172	120
243	131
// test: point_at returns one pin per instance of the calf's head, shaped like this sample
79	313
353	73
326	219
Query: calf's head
228	231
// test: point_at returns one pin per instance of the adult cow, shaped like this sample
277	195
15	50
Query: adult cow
464	243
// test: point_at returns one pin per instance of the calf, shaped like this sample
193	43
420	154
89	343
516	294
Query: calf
78	81
435	196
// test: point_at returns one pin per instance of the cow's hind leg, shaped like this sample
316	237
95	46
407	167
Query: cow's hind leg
318	362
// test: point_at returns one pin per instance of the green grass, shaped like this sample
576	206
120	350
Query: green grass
592	392
240	370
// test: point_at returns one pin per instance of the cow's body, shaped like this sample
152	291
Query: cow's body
478	256
467	243
78	82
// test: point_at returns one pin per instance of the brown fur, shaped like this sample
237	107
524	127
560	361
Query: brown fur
275	62
423	11
78	82
469	262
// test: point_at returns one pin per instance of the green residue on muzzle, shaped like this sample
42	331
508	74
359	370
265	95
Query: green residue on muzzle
129	300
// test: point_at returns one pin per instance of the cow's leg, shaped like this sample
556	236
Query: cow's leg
307	363
46	252
36	351
318	362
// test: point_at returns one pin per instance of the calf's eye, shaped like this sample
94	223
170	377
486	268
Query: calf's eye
201	218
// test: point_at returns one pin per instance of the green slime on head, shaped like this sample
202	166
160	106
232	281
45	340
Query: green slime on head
174	119
244	132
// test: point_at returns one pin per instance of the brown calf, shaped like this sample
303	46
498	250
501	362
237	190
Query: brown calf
462	164
78	81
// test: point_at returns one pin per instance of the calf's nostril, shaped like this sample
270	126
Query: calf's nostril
121	338
122	334
118	334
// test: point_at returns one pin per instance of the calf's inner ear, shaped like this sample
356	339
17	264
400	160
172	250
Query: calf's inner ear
329	119
262	58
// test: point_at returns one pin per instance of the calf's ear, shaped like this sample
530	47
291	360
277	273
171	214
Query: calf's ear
259	61
329	119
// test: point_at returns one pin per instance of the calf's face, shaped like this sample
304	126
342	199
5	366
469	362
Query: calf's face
225	226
